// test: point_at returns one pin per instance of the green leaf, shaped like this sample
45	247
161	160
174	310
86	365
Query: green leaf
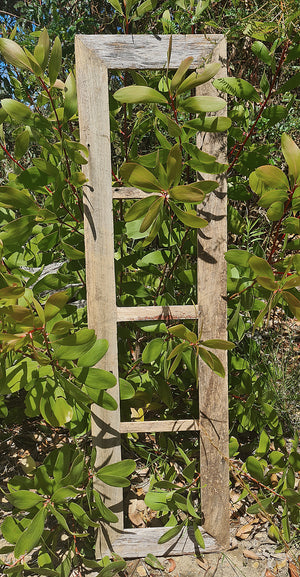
291	154
187	193
127	391
291	282
261	267
21	144
202	104
137	175
11	197
139	208
64	493
182	332
10	530
116	5
275	114
93	378
237	256
70	105
268	198
81	516
152	350
153	562
293	302
42	49
135	94
264	444
17	110
157	500
143	8
180	72
237	87
188	218
54	304
170	534
31	536
209	124
116	566
261	51
199	77
14	54
255	469
123	469
267	283
152	214
57	412
105	513
218	344
174	165
275	212
212	361
24	500
292	496
198	535
94	355
272	177
55	61
73	346
290	84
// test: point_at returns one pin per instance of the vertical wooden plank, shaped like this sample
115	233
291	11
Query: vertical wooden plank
93	108
213	390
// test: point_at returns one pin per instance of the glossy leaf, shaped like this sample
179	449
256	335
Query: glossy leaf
174	165
55	61
202	104
198	536
293	302
139	208
32	534
209	124
137	175
182	332
292	155
237	256
81	516
94	355
261	51
64	493
151	560
261	267
54	304
267	282
272	177
105	513
188	218
170	534
212	361
135	94
199	77
14	54
255	469
115	566
42	49
152	350
17	110
180	72
70	105
268	198
152	214
24	500
187	193
10	530
218	344
12	197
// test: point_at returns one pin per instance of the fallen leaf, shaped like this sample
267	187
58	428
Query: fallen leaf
172	565
154	562
28	464
251	554
244	531
293	570
269	573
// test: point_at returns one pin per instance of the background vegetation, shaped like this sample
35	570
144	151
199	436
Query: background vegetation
47	353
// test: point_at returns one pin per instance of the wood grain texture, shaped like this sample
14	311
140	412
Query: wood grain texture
133	543
93	108
144	51
213	390
159	426
160	313
128	193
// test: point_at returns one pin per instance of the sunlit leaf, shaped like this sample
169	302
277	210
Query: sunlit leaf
135	94
272	177
292	155
237	87
188	218
55	61
209	124
14	54
199	77
180	72
139	208
261	267
137	175
32	534
174	165
202	104
170	534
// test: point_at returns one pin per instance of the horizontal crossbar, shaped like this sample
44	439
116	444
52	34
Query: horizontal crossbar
160	426
162	313
129	193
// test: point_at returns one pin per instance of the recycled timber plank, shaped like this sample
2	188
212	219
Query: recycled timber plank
127	314
95	55
133	543
147	52
93	109
212	288
159	426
